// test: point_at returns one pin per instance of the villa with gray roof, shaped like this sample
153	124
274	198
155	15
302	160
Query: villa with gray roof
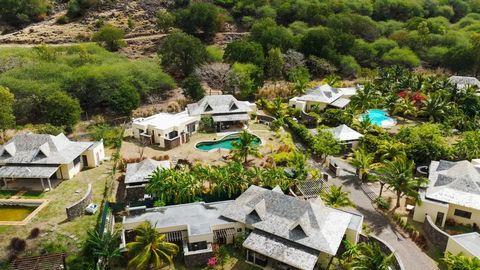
453	193
170	130
323	96
283	232
42	159
136	177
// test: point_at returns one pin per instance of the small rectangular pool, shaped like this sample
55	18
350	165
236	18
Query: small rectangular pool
15	212
19	211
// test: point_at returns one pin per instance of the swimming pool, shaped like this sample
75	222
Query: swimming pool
224	143
379	118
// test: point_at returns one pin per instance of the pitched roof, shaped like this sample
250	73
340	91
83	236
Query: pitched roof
27	171
32	148
139	172
281	250
306	223
469	241
166	120
464	81
225	104
454	182
345	133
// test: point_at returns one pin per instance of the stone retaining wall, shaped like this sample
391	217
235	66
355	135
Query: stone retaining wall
434	234
397	262
77	209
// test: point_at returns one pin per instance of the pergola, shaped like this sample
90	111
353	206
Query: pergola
12	173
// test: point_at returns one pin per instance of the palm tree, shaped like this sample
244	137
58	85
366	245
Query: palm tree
299	163
336	197
365	98
104	247
461	262
389	149
363	161
150	250
398	174
245	146
435	107
371	257
364	126
279	108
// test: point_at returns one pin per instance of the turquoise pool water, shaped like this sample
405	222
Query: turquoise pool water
379	118
225	143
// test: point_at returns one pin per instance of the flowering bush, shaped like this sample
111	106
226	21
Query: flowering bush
212	262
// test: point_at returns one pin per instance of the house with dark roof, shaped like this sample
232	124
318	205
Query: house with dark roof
225	110
282	232
42	158
323	96
453	193
136	177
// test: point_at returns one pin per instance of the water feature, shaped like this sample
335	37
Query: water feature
224	143
379	118
15	212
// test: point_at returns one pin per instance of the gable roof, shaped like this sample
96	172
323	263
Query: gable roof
218	104
454	182
165	120
29	148
139	172
469	241
322	228
464	81
345	133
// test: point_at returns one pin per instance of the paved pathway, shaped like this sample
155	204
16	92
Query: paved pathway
411	255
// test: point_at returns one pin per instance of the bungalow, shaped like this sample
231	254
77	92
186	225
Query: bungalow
453	193
323	96
136	177
347	136
40	158
282	232
463	82
166	129
225	110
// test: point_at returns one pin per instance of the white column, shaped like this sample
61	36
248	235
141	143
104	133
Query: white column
49	184
43	185
5	182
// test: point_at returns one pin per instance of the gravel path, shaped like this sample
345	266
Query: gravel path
411	255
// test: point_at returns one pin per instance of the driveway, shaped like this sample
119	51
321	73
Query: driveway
411	255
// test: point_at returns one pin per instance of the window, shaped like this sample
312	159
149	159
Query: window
461	213
76	161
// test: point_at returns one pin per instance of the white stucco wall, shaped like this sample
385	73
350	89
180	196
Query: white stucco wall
95	156
431	208
68	171
455	248
475	218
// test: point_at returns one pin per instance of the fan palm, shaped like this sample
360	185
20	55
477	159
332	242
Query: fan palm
336	197
150	250
398	174
371	257
363	161
461	262
245	147
104	247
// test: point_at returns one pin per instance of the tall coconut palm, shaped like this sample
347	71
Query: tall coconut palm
435	107
363	161
150	250
104	247
245	147
336	197
461	262
371	257
398	174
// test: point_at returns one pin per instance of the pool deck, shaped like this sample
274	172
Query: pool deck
26	220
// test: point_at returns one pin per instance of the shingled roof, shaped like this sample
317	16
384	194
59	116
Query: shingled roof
220	104
454	182
32	148
306	223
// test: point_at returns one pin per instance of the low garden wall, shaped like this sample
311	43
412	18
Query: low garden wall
434	234
397	262
265	119
77	208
